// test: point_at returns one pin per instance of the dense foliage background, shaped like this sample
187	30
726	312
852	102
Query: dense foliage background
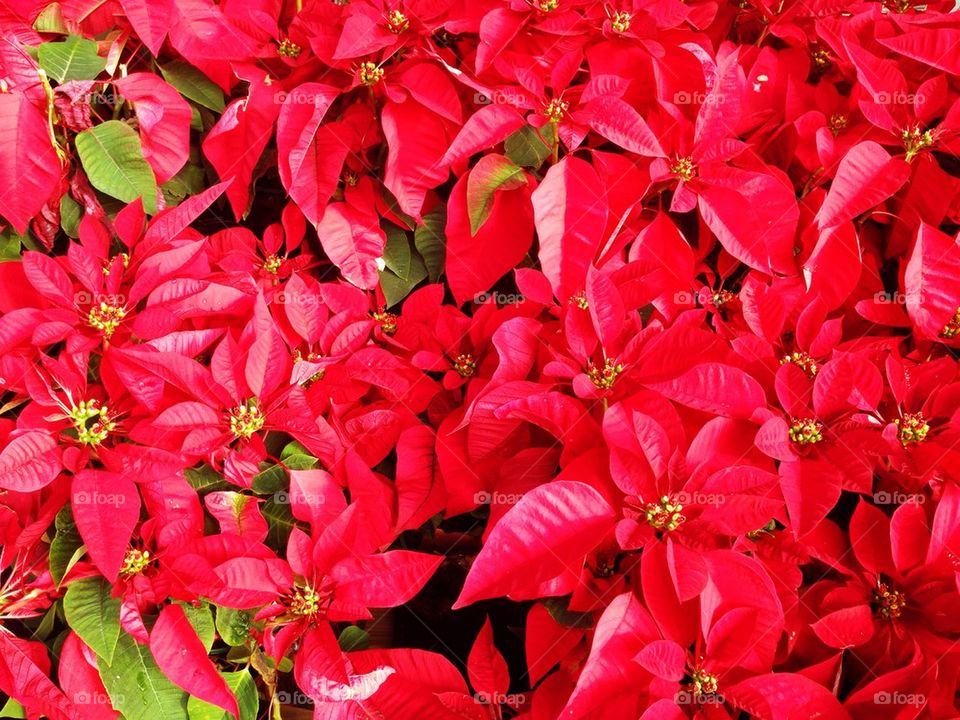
479	359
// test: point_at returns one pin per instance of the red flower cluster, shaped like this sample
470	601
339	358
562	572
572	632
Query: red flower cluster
621	336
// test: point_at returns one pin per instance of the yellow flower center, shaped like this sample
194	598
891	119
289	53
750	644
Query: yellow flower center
803	361
702	682
605	377
837	123
620	22
666	514
684	168
821	59
465	365
580	300
546	5
397	21
952	328
889	602
556	109
92	433
806	431
106	318
246	419
369	74
913	428
387	320
915	140
272	264
289	49
135	562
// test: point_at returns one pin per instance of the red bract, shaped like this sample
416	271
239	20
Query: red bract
475	360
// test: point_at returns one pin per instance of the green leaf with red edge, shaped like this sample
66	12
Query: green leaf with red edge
493	172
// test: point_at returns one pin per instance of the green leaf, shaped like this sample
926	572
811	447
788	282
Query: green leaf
67	547
296	457
113	160
189	181
233	626
12	709
10	244
397	288
526	147
72	59
269	481
493	172
137	687
202	620
243	686
193	85
50	20
396	253
557	607
94	615
280	522
70	216
431	241
205	478
353	638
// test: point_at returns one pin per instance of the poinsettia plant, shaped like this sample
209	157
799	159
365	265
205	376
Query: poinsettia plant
479	359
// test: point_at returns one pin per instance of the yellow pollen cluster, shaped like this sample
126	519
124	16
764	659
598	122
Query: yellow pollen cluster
465	365
702	682
546	5
915	140
580	300
246	419
135	562
106	318
684	168
289	49
605	377
305	601
397	21
952	328
821	59
722	297
108	263
272	264
806	431
803	361
92	433
890	603
667	514
767	529
837	123
556	109
350	178
387	320
369	74
620	22
913	428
